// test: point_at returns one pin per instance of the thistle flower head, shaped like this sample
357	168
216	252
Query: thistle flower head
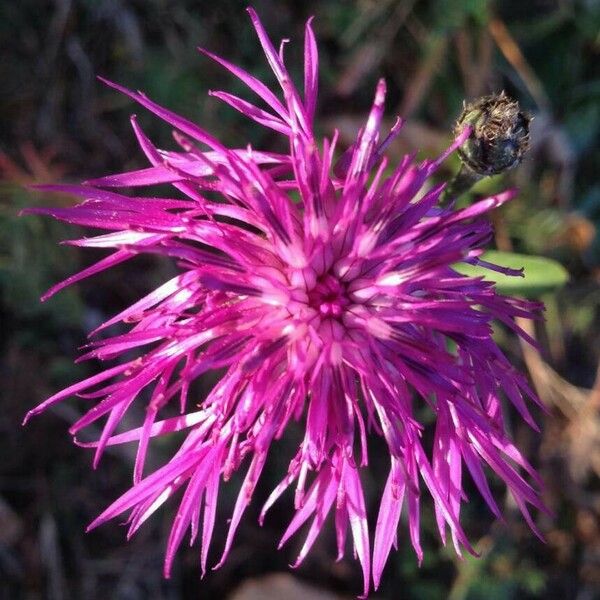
327	294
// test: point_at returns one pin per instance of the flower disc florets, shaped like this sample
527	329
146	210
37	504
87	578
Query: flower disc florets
326	291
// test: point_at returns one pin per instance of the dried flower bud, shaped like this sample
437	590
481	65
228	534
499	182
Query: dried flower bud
500	135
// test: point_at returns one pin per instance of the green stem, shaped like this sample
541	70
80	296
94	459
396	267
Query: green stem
462	182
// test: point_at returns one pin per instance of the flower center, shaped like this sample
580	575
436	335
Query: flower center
328	297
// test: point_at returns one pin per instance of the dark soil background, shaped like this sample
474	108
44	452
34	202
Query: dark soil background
58	123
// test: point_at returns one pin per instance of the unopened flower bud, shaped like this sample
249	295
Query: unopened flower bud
500	136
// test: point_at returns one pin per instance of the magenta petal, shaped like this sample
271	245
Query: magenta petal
211	497
387	525
254	84
262	117
317	491
146	487
242	502
158	428
76	387
311	70
357	515
106	263
191	498
322	510
173	119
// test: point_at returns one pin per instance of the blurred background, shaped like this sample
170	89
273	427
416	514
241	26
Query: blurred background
58	123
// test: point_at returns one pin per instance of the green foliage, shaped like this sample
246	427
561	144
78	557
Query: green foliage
31	260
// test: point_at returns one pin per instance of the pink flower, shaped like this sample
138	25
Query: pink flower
341	310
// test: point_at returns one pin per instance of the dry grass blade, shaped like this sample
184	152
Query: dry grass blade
367	56
511	51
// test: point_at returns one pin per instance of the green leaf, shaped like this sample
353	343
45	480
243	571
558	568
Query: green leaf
542	274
